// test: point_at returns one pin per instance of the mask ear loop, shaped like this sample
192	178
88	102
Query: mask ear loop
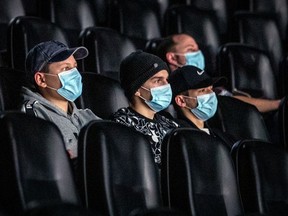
50	86
191	98
146	90
179	65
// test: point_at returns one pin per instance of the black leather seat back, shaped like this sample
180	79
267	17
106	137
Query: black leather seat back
239	119
137	19
8	10
107	48
35	167
10	88
262	175
278	8
71	15
118	172
101	94
277	122
25	32
248	69
266	36
198	23
198	175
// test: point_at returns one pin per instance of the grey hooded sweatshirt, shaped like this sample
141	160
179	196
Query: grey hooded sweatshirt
69	124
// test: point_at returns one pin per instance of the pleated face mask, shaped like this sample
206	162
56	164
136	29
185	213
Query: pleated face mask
161	97
71	81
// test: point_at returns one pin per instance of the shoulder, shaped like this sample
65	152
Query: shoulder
85	113
170	122
122	112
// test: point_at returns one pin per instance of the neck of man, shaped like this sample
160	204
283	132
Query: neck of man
191	117
60	103
173	67
142	108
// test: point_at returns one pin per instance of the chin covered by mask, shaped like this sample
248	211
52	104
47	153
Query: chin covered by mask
206	106
71	82
194	59
161	97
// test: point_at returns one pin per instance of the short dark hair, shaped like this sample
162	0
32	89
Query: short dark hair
165	46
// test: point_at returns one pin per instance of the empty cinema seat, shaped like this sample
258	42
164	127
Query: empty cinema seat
140	20
9	9
35	167
266	36
71	15
101	94
25	32
248	69
10	88
277	8
262	173
117	172
198	175
239	119
223	10
107	48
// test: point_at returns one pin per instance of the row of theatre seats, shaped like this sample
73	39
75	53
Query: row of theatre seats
116	173
144	23
247	68
254	59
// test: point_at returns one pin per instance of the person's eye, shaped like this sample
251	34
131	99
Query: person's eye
66	68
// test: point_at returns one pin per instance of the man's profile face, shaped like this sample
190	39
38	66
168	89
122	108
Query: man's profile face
184	44
158	79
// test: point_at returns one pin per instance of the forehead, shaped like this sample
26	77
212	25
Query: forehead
163	74
183	41
69	61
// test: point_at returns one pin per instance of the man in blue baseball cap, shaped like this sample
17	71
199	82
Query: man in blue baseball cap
55	84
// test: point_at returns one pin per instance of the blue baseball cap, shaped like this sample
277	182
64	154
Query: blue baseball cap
49	52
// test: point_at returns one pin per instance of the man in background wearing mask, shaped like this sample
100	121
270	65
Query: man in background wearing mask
143	77
195	101
181	49
52	70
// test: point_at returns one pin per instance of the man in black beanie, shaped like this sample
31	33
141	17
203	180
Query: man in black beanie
143	77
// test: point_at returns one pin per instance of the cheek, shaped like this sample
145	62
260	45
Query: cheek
181	59
146	94
54	82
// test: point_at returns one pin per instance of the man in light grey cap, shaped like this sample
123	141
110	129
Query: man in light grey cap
55	83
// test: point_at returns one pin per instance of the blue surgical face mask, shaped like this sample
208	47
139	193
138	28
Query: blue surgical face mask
194	59
71	81
206	106
161	97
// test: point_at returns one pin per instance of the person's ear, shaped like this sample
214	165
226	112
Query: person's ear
40	79
179	100
137	93
171	58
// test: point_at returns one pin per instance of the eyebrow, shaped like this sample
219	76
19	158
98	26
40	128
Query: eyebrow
158	77
68	64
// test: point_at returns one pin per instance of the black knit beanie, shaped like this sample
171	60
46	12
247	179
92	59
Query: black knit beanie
137	68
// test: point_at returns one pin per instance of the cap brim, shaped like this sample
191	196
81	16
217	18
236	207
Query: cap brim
219	81
215	81
78	53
